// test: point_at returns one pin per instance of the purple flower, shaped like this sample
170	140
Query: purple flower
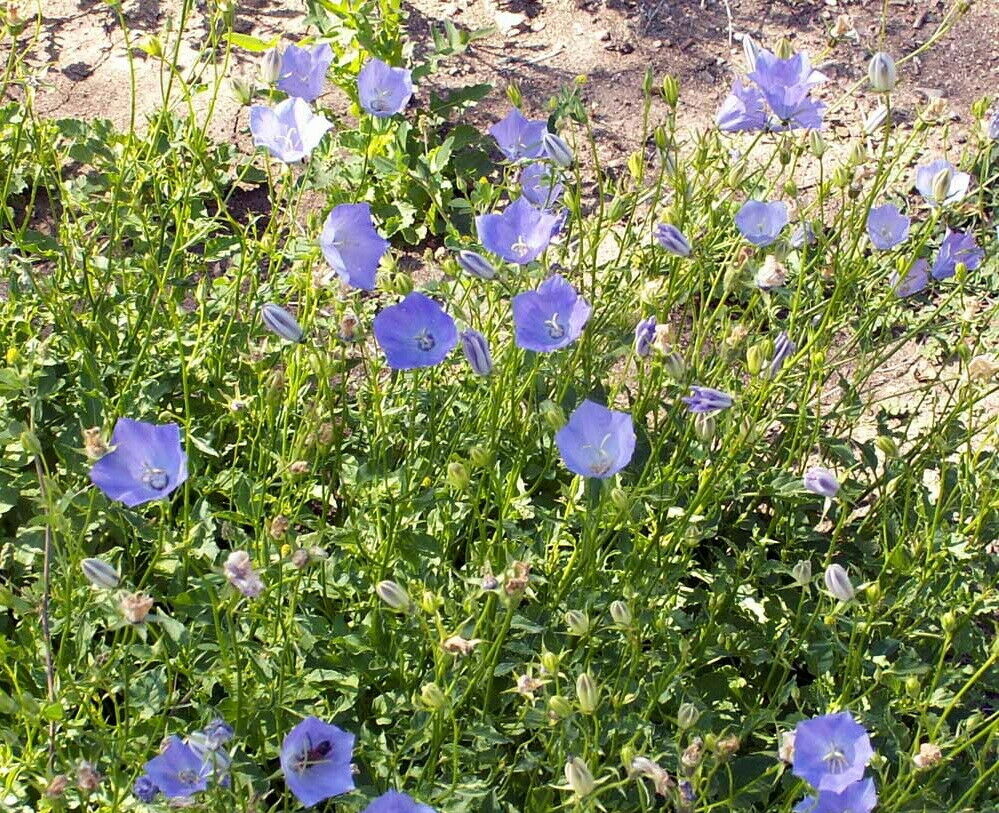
706	399
240	573
673	240
351	245
860	797
915	280
819	480
597	441
145	789
519	234
178	771
556	149
539	184
315	758
804	235
395	802
415	333
957	247
290	131
831	751
992	124
519	137
887	226
785	84
760	222
476	350
278	320
743	110
475	265
303	71
940	182
784	348
218	732
147	463
645	333
549	318
383	90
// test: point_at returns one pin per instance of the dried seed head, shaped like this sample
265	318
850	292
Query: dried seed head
135	607
278	526
93	443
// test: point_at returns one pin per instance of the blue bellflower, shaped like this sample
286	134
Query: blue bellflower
991	124
786	84
290	131
384	90
147	463
673	240
519	137
784	348
914	281
178	771
417	332
476	350
887	226
539	184
519	234
549	318
145	789
315	759
277	320
645	333
475	265
831	751
744	110
395	802
303	71
760	223
351	245
597	441
957	247
819	480
706	400
860	797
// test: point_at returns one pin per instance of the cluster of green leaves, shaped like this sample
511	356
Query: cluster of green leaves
133	269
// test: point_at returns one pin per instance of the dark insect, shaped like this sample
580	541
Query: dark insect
318	752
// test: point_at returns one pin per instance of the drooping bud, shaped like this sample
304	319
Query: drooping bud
887	445
882	73
620	613
279	321
556	149
479	456
578	622
475	265
394	596
587	693
457	476
476	350
578	775
100	574
838	583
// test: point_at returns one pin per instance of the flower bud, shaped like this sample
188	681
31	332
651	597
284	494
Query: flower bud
838	583
821	481
674	365
882	73
620	499
802	572
432	697
912	686
673	240
394	596
816	143
578	622
480	457
514	95
671	90
270	66
750	49
756	354
100	574
578	775
645	333
887	445
457	476
242	90
784	49
620	613
476	265
135	607
279	321
549	662
948	622
552	414
587	693
705	427
559	706
687	715
940	188
477	352
556	149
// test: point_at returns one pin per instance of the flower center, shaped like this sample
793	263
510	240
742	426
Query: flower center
381	101
188	777
425	341
836	760
311	755
602	461
555	329
520	248
156	479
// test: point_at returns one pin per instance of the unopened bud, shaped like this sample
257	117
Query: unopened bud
279	321
674	365
242	90
556	149
816	143
882	73
475	265
671	90
457	476
432	697
756	355
100	574
942	181
587	693
705	427
559	706
784	49
549	662
621	501
578	622
912	686
802	572
887	445
948	622
687	715
620	613
270	66
552	414
394	596
514	95
838	583
480	457
578	775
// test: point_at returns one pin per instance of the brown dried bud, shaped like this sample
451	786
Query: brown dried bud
135	607
93	443
87	778
279	526
57	786
299	467
300	558
456	645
